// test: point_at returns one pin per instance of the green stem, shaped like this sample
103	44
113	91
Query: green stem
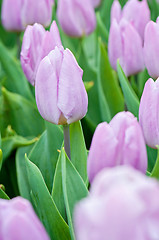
67	140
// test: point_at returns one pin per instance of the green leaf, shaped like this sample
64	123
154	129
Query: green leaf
57	190
11	143
3	195
108	85
78	149
16	79
130	96
21	114
44	204
74	188
89	74
22	177
155	171
152	155
101	29
45	152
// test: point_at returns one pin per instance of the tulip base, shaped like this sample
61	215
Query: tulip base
67	140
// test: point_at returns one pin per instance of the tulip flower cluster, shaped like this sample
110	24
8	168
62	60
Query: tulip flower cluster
92	177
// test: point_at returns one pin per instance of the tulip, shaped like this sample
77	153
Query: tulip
77	18
17	14
148	112
37	43
120	142
151	48
60	93
18	221
136	12
122	204
125	44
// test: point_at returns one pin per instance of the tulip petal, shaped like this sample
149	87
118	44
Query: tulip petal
103	150
149	114
132	59
114	44
151	49
46	86
72	96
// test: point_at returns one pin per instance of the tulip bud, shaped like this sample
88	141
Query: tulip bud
17	14
18	221
148	112
37	43
151	48
79	18
125	44
60	93
122	204
136	12
120	142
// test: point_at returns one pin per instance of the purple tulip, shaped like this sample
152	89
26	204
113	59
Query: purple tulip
148	113
151	48
136	12
122	204
60	93
77	18
37	43
19	222
17	14
125	44
120	142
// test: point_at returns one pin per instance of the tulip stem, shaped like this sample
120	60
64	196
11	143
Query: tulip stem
67	140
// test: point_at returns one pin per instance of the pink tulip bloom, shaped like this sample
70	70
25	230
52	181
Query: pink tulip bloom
122	204
18	221
120	142
77	18
125	44
37	43
17	14
60	93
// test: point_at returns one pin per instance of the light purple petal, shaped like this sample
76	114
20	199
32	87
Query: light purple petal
115	45
149	114
103	150
138	13
31	50
79	18
72	96
46	86
132	59
151	48
116	11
